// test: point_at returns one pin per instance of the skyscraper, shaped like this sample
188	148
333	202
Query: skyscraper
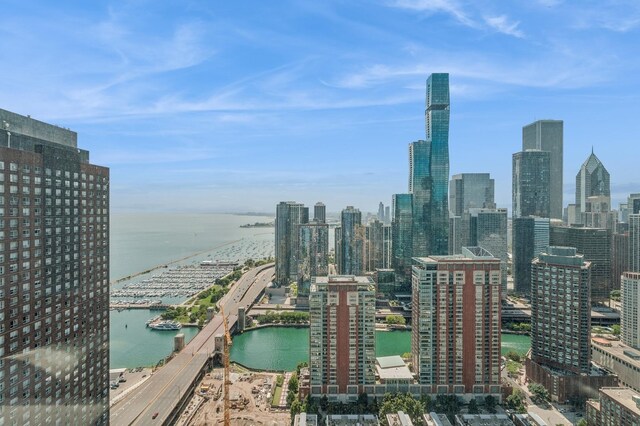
320	212
471	190
491	234
401	235
547	135
592	179
560	337
630	319
437	131
531	183
530	238
634	242
455	338
381	212
313	256
54	267
289	215
377	246
420	189
619	257
341	335
352	235
595	245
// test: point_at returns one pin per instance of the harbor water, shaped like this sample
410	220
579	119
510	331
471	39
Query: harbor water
142	241
282	348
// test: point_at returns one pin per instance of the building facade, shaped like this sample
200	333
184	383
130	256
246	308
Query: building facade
289	216
595	245
352	242
531	183
54	268
377	246
420	190
592	180
619	257
471	190
530	238
561	310
455	337
341	336
313	256
437	130
616	406
630	318
634	242
547	135
402	242
320	212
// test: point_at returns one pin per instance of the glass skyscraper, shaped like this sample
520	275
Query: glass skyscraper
401	234
592	180
471	190
420	189
437	130
531	183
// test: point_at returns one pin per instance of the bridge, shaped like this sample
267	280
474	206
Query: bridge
162	398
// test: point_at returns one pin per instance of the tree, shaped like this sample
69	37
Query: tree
513	356
291	396
293	383
490	403
539	393
473	406
395	320
582	422
515	401
296	408
393	403
615	330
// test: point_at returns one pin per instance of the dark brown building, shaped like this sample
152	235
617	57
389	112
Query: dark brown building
54	273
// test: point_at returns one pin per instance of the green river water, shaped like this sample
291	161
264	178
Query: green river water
282	348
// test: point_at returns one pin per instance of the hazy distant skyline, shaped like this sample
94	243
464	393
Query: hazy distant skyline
219	106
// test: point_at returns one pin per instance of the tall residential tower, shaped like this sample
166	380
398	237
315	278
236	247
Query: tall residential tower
54	268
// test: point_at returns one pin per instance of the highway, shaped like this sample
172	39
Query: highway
167	387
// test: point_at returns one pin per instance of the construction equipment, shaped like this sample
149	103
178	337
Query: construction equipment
225	361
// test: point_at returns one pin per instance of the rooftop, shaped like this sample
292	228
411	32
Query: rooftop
619	350
392	368
484	420
352	419
625	397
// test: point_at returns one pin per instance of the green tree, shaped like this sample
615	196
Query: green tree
393	403
395	320
490	403
516	400
473	407
513	356
582	422
539	393
615	330
293	383
296	408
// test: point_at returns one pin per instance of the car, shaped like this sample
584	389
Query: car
154	415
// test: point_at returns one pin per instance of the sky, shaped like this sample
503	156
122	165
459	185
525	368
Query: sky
235	106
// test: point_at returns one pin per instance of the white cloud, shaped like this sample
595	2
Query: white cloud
503	25
450	7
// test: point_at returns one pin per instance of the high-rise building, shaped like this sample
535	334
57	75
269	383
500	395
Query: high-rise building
630	319
598	213
320	212
491	234
547	135
595	245
455	337
560	337
591	180
401	235
352	235
313	256
456	234
530	238
531	183
377	246
381	212
471	190
420	189
634	242
341	335
289	215
615	406
54	267
387	215
619	257
437	130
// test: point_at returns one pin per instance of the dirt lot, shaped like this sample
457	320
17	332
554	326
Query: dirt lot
250	394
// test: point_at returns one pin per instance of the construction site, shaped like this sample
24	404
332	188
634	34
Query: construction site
229	395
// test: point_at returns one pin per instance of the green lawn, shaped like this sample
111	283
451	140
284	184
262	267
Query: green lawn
276	396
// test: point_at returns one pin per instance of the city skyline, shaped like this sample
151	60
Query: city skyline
204	105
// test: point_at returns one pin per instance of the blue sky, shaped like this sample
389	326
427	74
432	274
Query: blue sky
226	106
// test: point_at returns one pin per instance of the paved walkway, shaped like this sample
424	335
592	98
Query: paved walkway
285	390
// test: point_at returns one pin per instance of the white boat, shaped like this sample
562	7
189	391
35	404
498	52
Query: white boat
166	325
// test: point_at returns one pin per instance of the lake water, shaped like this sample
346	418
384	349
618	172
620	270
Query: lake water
282	348
142	241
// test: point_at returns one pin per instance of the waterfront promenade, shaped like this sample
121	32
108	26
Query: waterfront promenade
169	387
